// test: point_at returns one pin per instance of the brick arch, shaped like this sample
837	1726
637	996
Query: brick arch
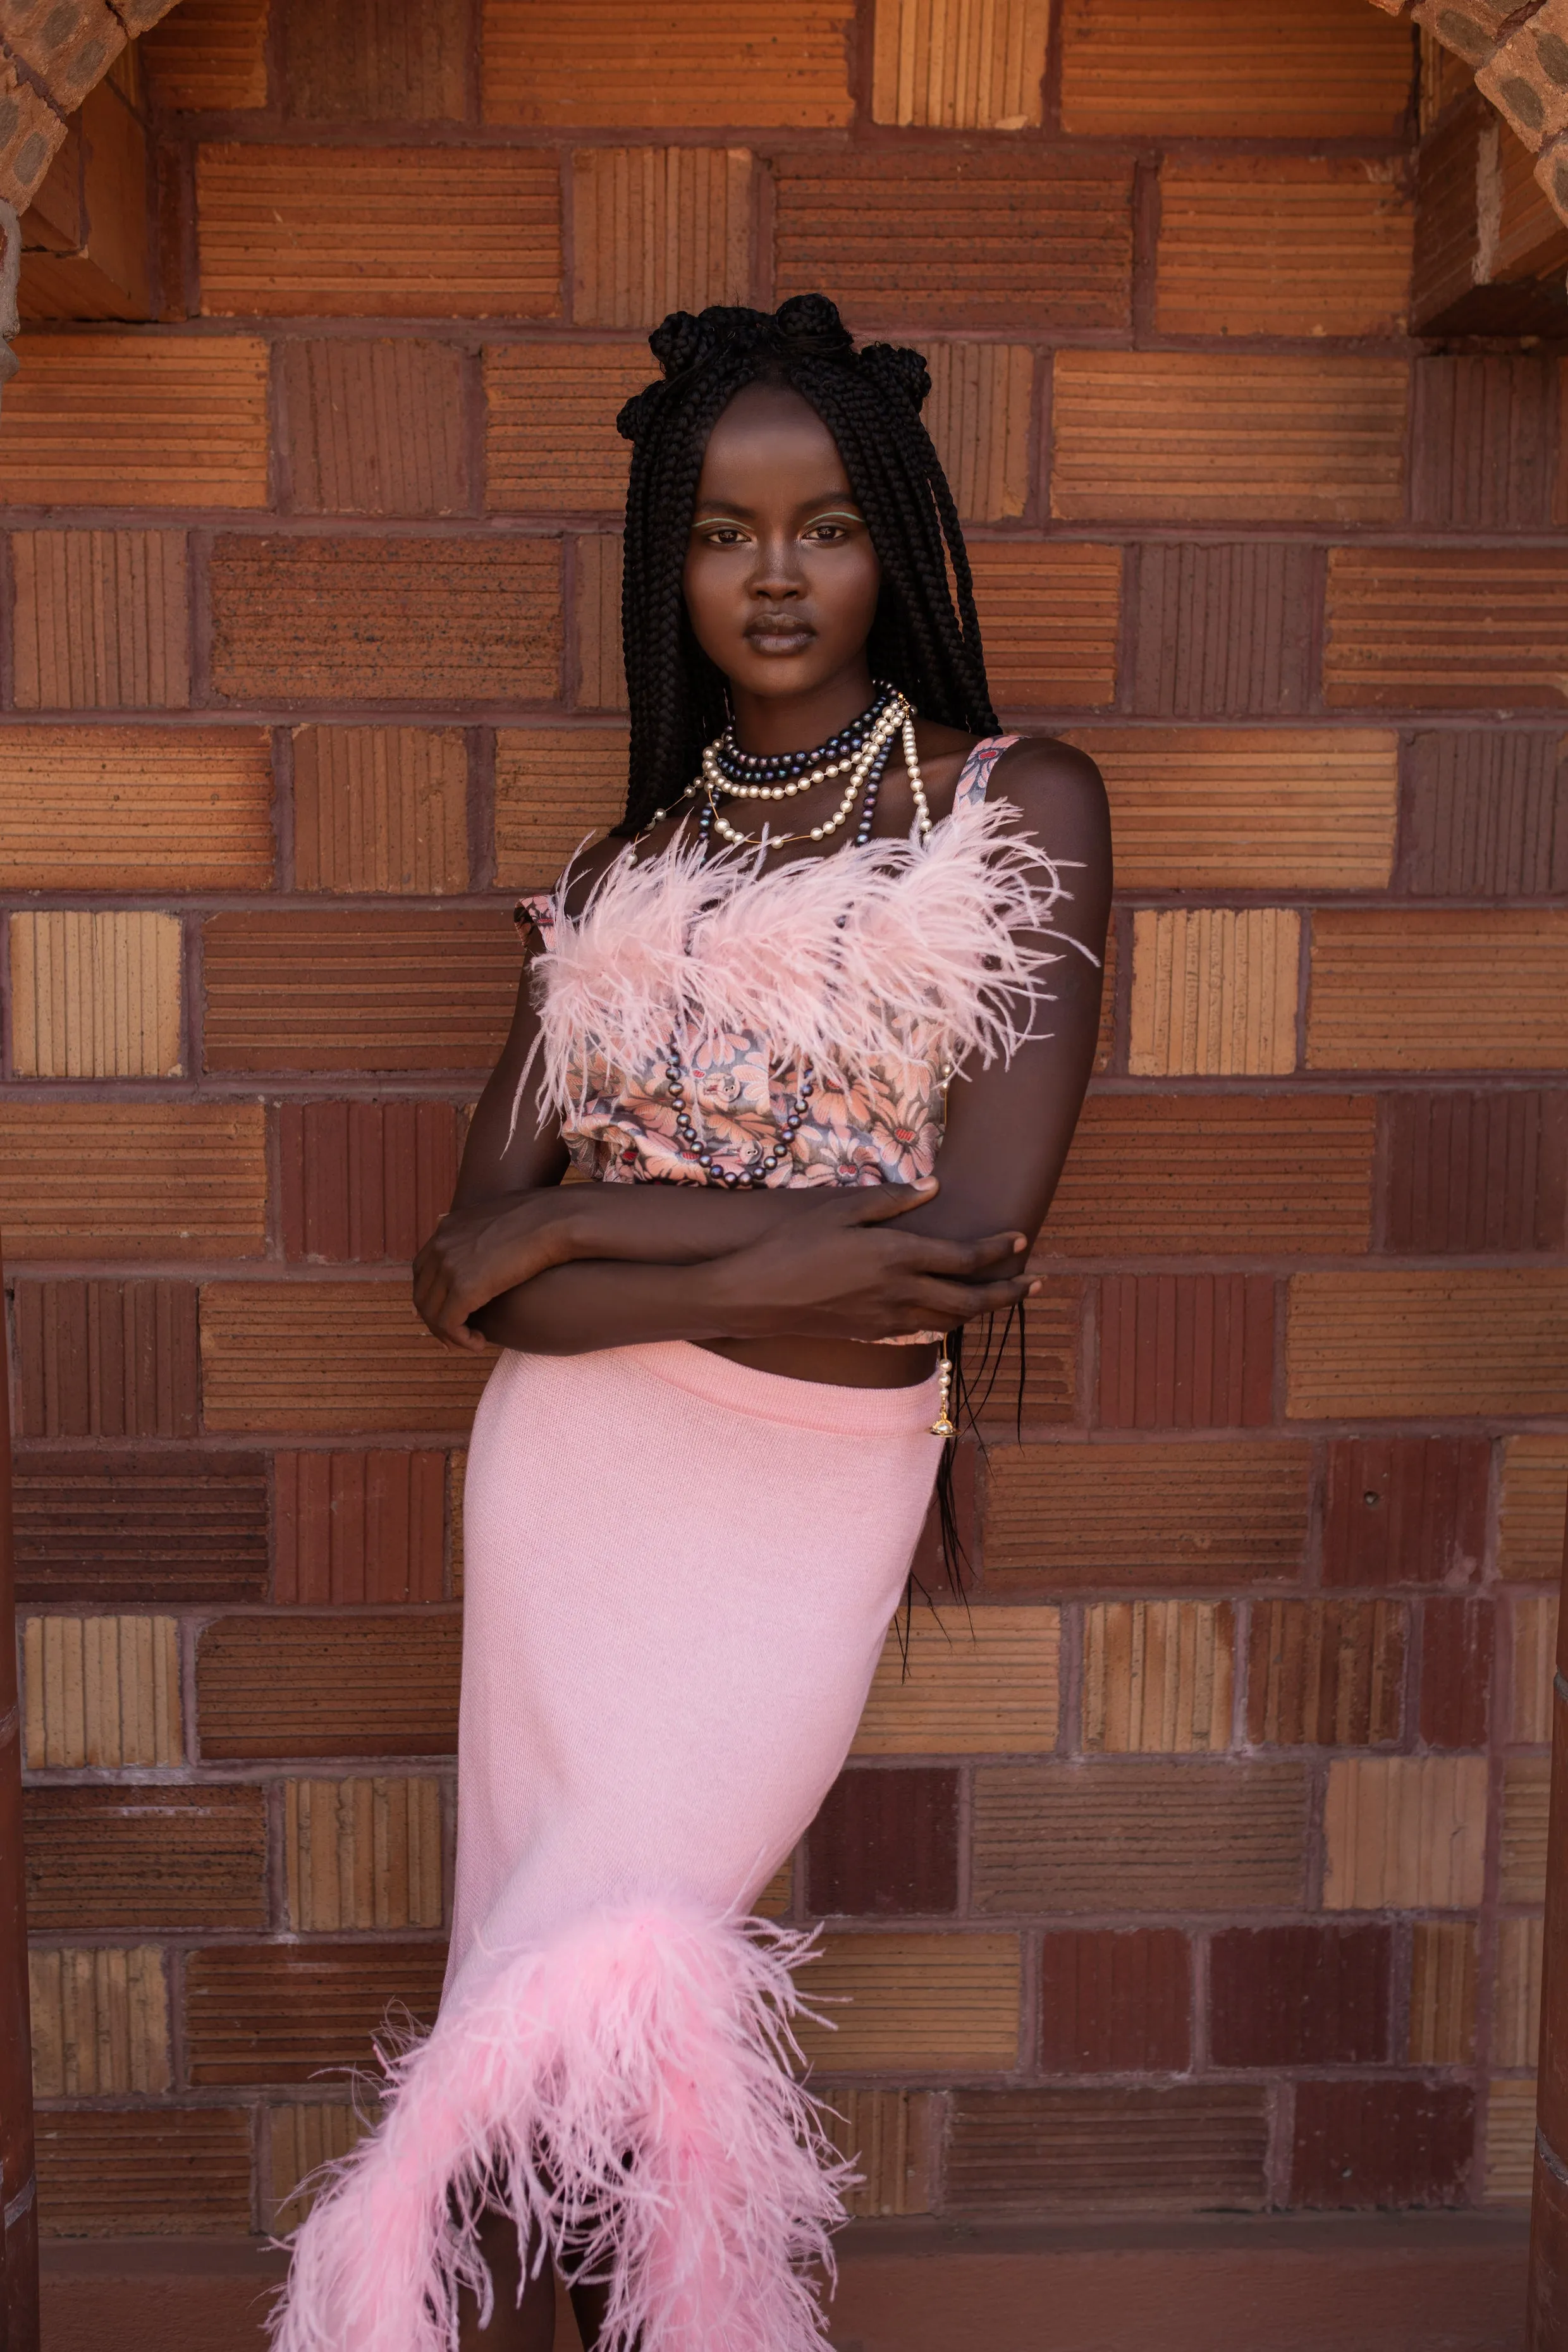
1518	55
52	54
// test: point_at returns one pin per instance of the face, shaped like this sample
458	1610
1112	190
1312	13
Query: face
781	575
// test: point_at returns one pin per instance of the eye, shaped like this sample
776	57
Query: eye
720	534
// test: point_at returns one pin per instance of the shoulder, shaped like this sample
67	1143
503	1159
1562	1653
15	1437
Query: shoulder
1060	795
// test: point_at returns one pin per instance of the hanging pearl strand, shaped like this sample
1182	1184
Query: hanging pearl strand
865	764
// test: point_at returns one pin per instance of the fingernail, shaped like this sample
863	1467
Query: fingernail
1019	1243
1031	1290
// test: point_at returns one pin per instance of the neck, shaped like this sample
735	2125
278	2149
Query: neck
798	722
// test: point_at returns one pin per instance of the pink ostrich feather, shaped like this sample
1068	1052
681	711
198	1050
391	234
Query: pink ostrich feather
628	2091
936	949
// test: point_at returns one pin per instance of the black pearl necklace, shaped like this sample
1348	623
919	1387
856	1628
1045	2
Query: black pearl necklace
737	1179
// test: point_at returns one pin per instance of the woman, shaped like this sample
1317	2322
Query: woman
699	1472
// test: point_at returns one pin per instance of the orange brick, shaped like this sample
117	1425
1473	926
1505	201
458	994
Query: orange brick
321	1358
364	1684
959	1683
208	55
551	440
954	65
557	788
656	229
446	620
1049	616
1158	1514
1157	1676
163	2171
1107	1835
96	995
696	63
1217	68
132	1179
1534	1660
916	2003
1187	436
1283	245
374	427
1428	1344
1094	2149
339	991
1008	239
135	808
888	2136
379	232
598	670
301	2138
1443	1980
1233	1174
381	808
1534	1502
980	415
100	621
143	421
1250	808
1438	991
1213	991
1402	628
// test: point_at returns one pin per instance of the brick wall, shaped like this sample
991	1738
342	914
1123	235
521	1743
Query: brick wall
1203	1866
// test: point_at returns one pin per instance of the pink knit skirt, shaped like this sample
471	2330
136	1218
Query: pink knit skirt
678	1575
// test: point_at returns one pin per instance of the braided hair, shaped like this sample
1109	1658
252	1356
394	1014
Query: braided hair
925	638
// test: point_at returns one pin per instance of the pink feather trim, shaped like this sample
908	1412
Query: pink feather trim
930	951
629	2087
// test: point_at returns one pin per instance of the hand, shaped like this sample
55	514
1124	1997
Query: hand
476	1253
846	1273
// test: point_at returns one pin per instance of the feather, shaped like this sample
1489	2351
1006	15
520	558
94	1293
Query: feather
628	2091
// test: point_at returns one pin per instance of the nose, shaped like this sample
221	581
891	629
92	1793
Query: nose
776	575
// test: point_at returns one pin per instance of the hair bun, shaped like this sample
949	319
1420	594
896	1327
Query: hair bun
899	367
814	320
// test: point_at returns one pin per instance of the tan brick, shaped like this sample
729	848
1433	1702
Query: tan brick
123	808
149	421
379	232
656	229
550	441
956	65
302	2139
148	2172
1215	990
1108	1835
118	1179
1442	2029
1283	245
557	789
1510	2141
208	55
1157	1676
362	1853
1208	69
101	2021
598	670
364	619
101	1691
104	1858
1516	1997
1049	614
373	1684
1526	1801
377	428
1244	808
698	63
1535	1510
1118	1514
101	620
1406	1833
1402	628
914	2004
1419	1344
1188	436
980	414
1326	1674
381	808
977	1681
1534	1626
891	2137
1417	991
96	995
322	1357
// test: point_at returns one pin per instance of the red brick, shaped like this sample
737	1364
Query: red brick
557	788
1482	438
107	1359
1474	1172
412	68
1362	2144
559	62
1224	631
1180	2147
209	56
885	1843
134	1178
1050	614
448	620
1325	1673
1028	1374
357	1528
1406	1510
550	441
101	620
423	990
1409	1343
1283	245
1118	1836
152	1857
1114	1515
1458	1637
1300	1995
347	1359
1484	813
596	663
1187	1350
373	428
1116	2001
114	420
1208	68
381	809
1402	633
144	2172
118	1529
308	1685
659	228
281	2014
365	1179
980	239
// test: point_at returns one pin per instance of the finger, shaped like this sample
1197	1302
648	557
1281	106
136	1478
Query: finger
926	1253
873	1205
960	1302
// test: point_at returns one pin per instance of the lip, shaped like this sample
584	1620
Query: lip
779	636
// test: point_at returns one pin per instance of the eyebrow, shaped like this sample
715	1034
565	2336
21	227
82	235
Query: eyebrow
840	502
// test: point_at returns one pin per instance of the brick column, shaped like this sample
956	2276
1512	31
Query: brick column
20	2315
1548	2324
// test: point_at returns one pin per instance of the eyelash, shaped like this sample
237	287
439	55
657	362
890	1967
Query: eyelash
729	534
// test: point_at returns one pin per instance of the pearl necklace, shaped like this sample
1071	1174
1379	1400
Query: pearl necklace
865	770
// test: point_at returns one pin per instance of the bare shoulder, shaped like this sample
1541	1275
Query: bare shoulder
586	868
1060	795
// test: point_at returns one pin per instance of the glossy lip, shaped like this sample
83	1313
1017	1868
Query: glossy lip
779	636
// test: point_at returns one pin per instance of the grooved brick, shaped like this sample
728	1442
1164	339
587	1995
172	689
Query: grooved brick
1110	1835
1406	1510
888	2137
1208	68
1224	631
1116	2001
1484	814
100	1691
144	421
155	1856
1474	1172
1516	2019
1120	1514
101	620
976	1681
1031	1377
310	1685
1370	2143
141	2172
698	63
1511	2152
1191	437
379	232
421	990
1482	438
1533	1629
373	428
1443	1977
381	808
1187	1350
122	808
1406	1833
106	1359
1300	1995
1215	990
95	995
917	2003
404	65
979	415
1535	1493
1050	616
557	788
404	619
129	1178
1009	239
1404	989
1326	1674
953	65
301	2138
550	425
1282	245
1457	1644
207	56
1402	628
362	1853
656	229
365	1181
113	1528
1157	1676
1169	2148
329	1357
884	1845
101	2021
1418	1344
267	2014
1526	1806
598	670
355	1528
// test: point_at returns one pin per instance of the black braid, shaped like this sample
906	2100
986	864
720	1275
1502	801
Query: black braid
925	637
